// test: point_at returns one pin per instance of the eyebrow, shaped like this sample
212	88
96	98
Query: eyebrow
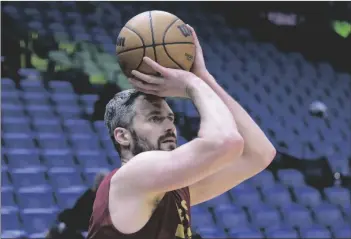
156	112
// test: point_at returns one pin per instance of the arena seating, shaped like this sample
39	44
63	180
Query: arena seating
50	153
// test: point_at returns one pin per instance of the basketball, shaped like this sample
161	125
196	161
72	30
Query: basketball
159	35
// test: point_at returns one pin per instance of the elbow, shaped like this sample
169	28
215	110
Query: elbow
268	155
233	144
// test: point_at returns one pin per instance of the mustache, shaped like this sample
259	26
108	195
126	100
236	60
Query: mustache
168	135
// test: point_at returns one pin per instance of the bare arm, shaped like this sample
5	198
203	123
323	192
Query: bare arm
257	155
218	144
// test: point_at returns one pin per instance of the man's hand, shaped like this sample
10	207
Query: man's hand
171	83
199	66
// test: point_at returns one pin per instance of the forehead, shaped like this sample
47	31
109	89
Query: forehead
146	104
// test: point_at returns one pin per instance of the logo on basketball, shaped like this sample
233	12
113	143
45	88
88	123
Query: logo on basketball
121	41
184	30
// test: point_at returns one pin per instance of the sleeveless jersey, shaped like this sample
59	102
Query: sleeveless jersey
170	219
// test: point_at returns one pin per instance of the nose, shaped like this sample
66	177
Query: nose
170	128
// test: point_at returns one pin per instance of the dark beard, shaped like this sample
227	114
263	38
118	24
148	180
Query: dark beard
142	145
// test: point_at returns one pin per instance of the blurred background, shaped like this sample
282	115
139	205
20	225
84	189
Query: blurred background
287	63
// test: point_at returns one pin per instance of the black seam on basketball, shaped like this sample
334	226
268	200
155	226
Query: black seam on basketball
142	40
152	35
164	45
160	44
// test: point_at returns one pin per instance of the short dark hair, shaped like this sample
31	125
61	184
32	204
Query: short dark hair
120	112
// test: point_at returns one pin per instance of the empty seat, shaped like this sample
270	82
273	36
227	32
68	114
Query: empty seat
307	196
265	217
264	179
9	220
229	217
35	198
327	214
18	141
31	177
210	232
88	99
65	178
61	87
291	177
52	141
42	125
40	111
338	195
7	84
282	233
245	196
94	160
277	196
35	98
255	234
16	125
78	126
10	110
85	142
297	216
342	232
221	199
101	128
202	219
68	112
315	232
32	86
23	158
58	158
65	99
37	220
7	199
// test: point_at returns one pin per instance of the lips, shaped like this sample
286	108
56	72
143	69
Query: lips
169	140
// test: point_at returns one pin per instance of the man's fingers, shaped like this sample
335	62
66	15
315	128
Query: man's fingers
150	92
148	78
140	84
154	65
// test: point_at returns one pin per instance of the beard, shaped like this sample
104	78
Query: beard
141	144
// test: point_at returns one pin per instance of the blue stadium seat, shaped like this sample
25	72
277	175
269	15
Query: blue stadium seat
296	215
338	195
245	195
37	220
68	112
52	141
28	178
89	99
58	158
65	99
16	125
92	160
34	98
32	86
256	234
265	217
8	199
291	177
40	111
307	196
9	220
7	84
263	180
78	126
342	232
327	214
61	87
210	232
282	233
277	196
229	216
35	198
10	110
10	98
67	197
65	178
18	141
221	199
23	158
47	126
202	220
315	232
101	128
108	144
85	142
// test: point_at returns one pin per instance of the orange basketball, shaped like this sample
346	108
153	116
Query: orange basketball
159	35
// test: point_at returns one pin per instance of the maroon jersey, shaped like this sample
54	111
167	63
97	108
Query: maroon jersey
170	220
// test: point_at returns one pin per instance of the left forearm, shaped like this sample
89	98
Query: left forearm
256	143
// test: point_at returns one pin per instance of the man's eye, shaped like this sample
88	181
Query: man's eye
156	119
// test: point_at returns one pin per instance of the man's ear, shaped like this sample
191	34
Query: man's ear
122	136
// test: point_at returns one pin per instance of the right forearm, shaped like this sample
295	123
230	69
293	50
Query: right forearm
216	118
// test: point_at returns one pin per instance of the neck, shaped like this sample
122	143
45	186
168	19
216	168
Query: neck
126	156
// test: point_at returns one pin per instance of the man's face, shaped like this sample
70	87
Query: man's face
153	126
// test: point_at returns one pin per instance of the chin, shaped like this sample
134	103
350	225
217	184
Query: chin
169	147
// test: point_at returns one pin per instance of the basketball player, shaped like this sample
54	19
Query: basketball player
150	196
